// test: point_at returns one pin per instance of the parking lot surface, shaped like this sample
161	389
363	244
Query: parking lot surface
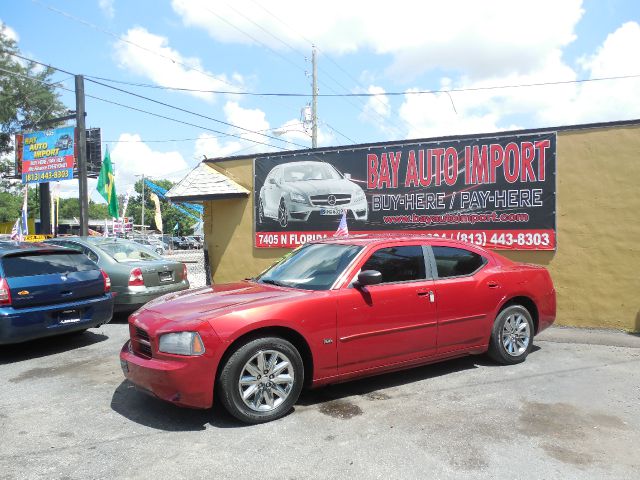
571	411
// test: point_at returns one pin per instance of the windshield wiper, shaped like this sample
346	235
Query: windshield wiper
273	282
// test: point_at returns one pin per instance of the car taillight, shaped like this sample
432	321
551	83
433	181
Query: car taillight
5	293
107	281
184	271
135	278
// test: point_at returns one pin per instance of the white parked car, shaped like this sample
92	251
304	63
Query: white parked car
296	191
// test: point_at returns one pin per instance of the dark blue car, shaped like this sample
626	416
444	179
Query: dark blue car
47	290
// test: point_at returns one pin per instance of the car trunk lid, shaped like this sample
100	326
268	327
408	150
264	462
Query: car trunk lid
38	278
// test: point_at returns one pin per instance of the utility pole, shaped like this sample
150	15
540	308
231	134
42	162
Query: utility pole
142	202
82	157
314	102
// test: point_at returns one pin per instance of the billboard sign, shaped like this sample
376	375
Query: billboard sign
48	155
496	191
123	225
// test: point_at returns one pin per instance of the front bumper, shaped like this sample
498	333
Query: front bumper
184	381
300	212
24	324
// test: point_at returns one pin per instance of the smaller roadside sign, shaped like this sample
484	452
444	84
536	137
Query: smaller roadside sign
37	238
48	155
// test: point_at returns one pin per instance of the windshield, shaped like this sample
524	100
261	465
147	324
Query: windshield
314	266
123	251
310	171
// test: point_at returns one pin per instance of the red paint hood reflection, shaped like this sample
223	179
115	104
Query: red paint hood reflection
191	304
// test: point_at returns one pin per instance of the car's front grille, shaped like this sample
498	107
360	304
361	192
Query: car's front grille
330	200
142	343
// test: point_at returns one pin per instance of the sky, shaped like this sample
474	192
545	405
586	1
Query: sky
207	60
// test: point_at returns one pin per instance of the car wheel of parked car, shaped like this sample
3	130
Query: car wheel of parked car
283	214
512	335
261	380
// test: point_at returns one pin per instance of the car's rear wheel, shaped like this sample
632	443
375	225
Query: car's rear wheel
261	380
260	213
283	214
512	335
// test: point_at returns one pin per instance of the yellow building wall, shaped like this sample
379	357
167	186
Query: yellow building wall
6	227
596	267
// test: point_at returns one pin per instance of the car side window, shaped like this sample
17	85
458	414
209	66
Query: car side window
398	264
456	262
71	245
90	253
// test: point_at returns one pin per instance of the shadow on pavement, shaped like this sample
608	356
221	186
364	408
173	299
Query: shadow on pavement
120	317
377	384
43	347
142	408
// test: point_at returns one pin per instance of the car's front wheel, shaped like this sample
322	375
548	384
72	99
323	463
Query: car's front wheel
283	214
261	380
512	335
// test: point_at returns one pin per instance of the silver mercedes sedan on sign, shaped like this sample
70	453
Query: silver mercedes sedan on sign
296	191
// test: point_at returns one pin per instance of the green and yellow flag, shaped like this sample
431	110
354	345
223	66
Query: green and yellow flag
107	185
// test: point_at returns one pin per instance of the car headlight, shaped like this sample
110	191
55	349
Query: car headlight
181	343
359	196
298	198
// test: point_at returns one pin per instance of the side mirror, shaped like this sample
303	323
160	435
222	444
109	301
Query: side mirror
272	180
347	176
369	277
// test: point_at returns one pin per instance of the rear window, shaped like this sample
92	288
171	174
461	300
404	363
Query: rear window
28	265
128	251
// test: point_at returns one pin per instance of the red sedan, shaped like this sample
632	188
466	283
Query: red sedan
333	311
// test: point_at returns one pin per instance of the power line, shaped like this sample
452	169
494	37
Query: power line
120	39
152	113
310	42
254	38
165	104
381	94
167	140
338	132
193	113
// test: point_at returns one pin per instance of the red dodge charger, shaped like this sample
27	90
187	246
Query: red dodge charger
332	311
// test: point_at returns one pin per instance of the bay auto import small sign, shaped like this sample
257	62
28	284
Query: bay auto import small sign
48	155
498	192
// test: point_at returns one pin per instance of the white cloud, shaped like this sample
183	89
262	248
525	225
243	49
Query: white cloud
8	31
107	8
210	146
541	106
131	157
376	106
478	37
167	67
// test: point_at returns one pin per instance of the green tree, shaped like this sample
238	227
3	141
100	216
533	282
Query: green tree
170	214
23	103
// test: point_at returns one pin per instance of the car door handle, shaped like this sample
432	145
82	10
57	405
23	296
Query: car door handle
493	284
427	293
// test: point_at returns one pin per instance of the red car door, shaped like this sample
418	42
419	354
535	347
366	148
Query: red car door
467	292
393	321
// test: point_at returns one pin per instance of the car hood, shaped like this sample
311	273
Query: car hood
323	187
207	302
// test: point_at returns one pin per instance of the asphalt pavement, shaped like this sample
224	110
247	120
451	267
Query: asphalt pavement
571	411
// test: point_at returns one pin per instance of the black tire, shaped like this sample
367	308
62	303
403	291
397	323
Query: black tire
228	387
283	214
502	349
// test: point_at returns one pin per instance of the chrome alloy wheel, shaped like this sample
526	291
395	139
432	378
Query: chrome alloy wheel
516	335
266	380
283	215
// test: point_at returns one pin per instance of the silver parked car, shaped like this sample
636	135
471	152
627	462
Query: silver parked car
296	191
137	273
